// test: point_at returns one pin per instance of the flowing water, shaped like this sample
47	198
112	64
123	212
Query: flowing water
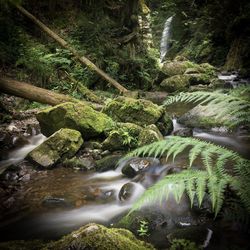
165	38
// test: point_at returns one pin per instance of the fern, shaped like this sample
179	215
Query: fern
225	105
212	179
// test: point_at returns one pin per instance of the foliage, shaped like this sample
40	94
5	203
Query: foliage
214	178
225	105
143	230
182	244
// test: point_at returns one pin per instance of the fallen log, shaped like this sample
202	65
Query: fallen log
33	93
82	59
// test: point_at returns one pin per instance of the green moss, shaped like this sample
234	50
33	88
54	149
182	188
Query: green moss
61	145
94	236
175	83
22	245
76	116
138	111
149	135
177	67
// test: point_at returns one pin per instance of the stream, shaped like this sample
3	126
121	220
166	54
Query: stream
52	203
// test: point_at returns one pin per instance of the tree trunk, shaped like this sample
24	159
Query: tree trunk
33	93
83	60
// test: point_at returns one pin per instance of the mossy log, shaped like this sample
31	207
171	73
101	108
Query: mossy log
33	93
82	59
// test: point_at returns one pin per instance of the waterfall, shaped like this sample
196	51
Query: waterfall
165	38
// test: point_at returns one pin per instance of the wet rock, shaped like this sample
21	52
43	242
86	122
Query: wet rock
55	202
107	163
61	145
149	135
92	145
85	164
126	191
197	234
138	111
94	236
136	165
76	116
165	124
184	132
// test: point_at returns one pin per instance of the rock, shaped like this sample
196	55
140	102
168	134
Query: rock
177	67
197	234
92	145
175	83
80	163
184	132
107	163
76	116
138	111
23	245
136	165
94	236
202	117
123	137
128	190
61	145
165	124
192	71
55	202
196	79
149	135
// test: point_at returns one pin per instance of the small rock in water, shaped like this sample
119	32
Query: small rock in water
55	202
126	191
184	132
136	165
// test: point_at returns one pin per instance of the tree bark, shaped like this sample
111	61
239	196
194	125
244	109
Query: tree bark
83	60
33	93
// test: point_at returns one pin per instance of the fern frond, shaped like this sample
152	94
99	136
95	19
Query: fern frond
222	104
213	178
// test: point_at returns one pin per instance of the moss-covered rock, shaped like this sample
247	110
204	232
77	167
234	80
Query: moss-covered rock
149	135
175	83
165	124
108	163
76	116
138	111
203	117
61	145
124	136
94	236
177	67
80	163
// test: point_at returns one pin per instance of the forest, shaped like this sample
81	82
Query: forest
124	124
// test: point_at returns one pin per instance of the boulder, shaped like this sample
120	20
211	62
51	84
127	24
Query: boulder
123	137
136	165
175	83
203	117
177	67
108	163
76	116
59	146
85	163
165	124
149	135
94	236
138	111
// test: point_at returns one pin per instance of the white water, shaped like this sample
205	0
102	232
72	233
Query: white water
165	38
18	155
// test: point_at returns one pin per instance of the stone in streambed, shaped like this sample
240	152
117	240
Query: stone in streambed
107	163
76	116
136	165
138	111
61	145
149	135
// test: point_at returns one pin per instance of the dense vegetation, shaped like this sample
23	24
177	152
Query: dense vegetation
94	127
